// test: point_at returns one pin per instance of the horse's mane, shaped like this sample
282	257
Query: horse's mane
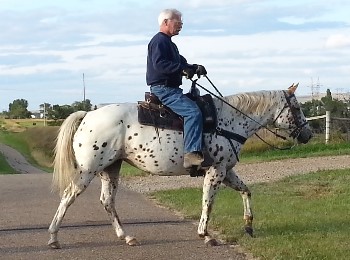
254	102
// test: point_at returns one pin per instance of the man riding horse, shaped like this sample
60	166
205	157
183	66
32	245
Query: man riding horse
165	68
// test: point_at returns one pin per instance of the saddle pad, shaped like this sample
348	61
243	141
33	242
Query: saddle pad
158	116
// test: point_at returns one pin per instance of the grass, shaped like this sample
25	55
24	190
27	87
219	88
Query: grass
129	171
300	217
19	125
309	150
5	168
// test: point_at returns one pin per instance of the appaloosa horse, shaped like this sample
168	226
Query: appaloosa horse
95	143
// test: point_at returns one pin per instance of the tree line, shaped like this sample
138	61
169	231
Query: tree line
18	109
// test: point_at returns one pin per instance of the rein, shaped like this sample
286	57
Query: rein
229	135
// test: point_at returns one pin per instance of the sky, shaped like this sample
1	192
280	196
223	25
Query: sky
50	50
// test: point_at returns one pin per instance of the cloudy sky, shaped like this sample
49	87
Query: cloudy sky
246	45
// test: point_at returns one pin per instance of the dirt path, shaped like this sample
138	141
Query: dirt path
17	161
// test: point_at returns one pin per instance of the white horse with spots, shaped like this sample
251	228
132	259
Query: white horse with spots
96	143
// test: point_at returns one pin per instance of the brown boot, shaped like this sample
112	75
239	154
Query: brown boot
193	158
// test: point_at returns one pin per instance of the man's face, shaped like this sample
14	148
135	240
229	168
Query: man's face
174	25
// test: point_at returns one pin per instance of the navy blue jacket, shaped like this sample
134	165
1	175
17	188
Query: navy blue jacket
164	62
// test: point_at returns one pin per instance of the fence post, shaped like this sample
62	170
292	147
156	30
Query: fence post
328	122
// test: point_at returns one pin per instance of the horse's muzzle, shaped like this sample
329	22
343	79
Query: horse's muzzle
304	136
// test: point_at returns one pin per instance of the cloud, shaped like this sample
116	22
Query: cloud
338	41
46	46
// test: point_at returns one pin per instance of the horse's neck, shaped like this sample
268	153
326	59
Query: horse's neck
251	111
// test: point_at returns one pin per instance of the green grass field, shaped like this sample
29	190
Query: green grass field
300	217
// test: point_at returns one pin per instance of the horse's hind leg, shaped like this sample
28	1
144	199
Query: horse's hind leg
231	180
109	180
73	190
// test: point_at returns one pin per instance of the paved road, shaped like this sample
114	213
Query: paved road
27	207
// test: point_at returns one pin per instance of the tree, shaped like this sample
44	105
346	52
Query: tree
18	109
335	106
82	105
313	108
60	112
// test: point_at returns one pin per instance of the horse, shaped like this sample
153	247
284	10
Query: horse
97	142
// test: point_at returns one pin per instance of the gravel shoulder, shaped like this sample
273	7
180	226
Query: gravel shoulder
249	173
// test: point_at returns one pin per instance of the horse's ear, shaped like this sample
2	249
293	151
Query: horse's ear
292	88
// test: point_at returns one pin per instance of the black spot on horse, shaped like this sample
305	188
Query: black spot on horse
95	147
104	144
130	137
80	144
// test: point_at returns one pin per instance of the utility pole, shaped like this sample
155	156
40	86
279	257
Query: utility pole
44	114
83	88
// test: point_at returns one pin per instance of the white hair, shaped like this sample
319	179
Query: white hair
168	14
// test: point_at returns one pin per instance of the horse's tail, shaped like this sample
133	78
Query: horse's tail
64	162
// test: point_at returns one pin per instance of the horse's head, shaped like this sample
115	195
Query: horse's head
292	118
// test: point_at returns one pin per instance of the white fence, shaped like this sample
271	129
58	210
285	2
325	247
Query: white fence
328	123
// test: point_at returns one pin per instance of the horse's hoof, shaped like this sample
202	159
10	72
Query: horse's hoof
131	241
249	231
211	242
54	245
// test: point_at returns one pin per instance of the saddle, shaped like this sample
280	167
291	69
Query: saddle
152	112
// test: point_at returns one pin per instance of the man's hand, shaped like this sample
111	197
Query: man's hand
189	72
200	70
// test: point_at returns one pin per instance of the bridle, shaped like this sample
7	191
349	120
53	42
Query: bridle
294	134
294	111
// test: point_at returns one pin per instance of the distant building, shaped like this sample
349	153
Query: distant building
36	114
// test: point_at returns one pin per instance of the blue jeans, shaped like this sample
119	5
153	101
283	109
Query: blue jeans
188	109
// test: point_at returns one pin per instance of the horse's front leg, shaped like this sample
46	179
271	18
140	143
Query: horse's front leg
231	180
212	180
109	181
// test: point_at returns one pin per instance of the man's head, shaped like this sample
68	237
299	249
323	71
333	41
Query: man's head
170	22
